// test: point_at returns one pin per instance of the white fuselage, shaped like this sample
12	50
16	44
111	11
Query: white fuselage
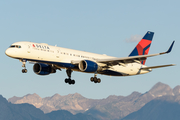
66	58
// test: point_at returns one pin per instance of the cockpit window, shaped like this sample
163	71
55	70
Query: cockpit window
15	46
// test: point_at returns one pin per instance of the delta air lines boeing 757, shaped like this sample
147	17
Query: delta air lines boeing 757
47	59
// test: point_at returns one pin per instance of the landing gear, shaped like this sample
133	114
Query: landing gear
95	79
68	80
24	66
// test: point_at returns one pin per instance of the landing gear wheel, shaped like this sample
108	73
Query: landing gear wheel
92	79
70	82
24	70
95	80
73	82
66	80
98	80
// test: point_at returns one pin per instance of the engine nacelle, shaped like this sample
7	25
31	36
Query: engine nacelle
43	69
88	66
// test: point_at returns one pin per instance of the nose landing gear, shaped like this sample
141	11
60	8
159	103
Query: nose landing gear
24	66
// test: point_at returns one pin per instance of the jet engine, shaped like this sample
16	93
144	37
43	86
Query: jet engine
88	66
43	69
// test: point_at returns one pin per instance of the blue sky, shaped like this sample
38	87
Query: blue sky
98	26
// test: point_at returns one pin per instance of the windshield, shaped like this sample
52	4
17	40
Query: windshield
15	46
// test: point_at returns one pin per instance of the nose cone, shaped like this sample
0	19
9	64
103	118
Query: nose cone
8	52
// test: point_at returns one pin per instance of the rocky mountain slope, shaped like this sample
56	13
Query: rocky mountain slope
113	107
25	111
162	108
75	103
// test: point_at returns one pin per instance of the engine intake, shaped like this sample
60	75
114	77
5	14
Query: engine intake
43	69
88	66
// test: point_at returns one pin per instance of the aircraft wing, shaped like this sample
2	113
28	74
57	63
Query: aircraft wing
124	60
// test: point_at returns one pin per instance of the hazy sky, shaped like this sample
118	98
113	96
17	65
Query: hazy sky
99	26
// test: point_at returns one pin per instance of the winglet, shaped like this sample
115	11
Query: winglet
170	48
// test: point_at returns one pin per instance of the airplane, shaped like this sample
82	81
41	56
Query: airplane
47	59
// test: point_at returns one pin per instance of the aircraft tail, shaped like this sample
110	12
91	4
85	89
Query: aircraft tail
143	46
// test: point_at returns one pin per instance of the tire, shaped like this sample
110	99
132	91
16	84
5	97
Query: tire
70	82
73	82
25	70
92	79
66	80
95	80
98	80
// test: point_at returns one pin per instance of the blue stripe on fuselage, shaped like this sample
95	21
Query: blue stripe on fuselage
75	67
110	72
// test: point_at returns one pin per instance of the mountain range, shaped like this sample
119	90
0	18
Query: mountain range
111	108
25	111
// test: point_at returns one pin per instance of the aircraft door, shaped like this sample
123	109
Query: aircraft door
29	48
58	53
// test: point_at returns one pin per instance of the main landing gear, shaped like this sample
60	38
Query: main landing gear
24	66
95	79
68	80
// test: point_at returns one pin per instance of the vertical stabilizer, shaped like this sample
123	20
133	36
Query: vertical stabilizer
143	46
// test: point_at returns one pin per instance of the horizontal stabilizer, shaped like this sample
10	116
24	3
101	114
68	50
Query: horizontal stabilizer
153	67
